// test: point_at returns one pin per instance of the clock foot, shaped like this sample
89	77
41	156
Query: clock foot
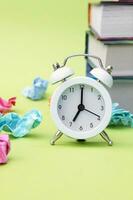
81	140
56	137
106	138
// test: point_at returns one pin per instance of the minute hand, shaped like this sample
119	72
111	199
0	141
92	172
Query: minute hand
82	88
92	113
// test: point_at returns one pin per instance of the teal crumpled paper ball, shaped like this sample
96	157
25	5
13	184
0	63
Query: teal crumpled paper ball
20	126
121	116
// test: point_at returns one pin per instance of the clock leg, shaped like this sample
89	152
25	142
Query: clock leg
106	138
81	140
56	137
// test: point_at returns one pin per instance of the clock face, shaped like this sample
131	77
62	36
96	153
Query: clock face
81	107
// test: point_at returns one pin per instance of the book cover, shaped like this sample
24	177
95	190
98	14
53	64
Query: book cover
112	1
118	1
111	40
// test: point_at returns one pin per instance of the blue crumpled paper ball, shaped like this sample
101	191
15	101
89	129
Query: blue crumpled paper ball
20	126
121	116
37	91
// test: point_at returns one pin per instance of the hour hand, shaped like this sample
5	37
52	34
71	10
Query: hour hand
74	119
81	107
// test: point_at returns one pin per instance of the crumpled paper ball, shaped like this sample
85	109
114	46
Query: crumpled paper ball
121	116
37	91
20	126
4	148
6	105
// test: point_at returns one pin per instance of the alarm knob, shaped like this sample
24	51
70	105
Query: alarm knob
60	74
103	76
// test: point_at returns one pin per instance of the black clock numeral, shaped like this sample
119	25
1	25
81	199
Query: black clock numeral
102	108
91	125
71	89
82	86
63	117
80	128
64	97
99	97
60	107
70	124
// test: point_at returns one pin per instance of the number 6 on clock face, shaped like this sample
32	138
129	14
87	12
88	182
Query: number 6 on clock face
81	108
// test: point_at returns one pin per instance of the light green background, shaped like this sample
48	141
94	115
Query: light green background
33	36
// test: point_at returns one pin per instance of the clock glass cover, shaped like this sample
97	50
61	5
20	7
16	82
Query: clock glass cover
81	107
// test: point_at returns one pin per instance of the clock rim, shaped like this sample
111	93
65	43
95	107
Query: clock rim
68	131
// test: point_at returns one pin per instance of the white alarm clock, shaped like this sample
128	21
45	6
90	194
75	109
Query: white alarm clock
81	107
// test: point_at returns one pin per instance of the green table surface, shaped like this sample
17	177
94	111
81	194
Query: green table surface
33	36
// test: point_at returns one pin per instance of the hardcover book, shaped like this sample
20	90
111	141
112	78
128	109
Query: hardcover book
111	21
118	1
122	89
119	54
112	1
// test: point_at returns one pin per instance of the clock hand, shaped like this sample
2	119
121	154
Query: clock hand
80	108
82	88
74	119
92	113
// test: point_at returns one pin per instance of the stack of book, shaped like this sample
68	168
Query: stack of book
110	37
